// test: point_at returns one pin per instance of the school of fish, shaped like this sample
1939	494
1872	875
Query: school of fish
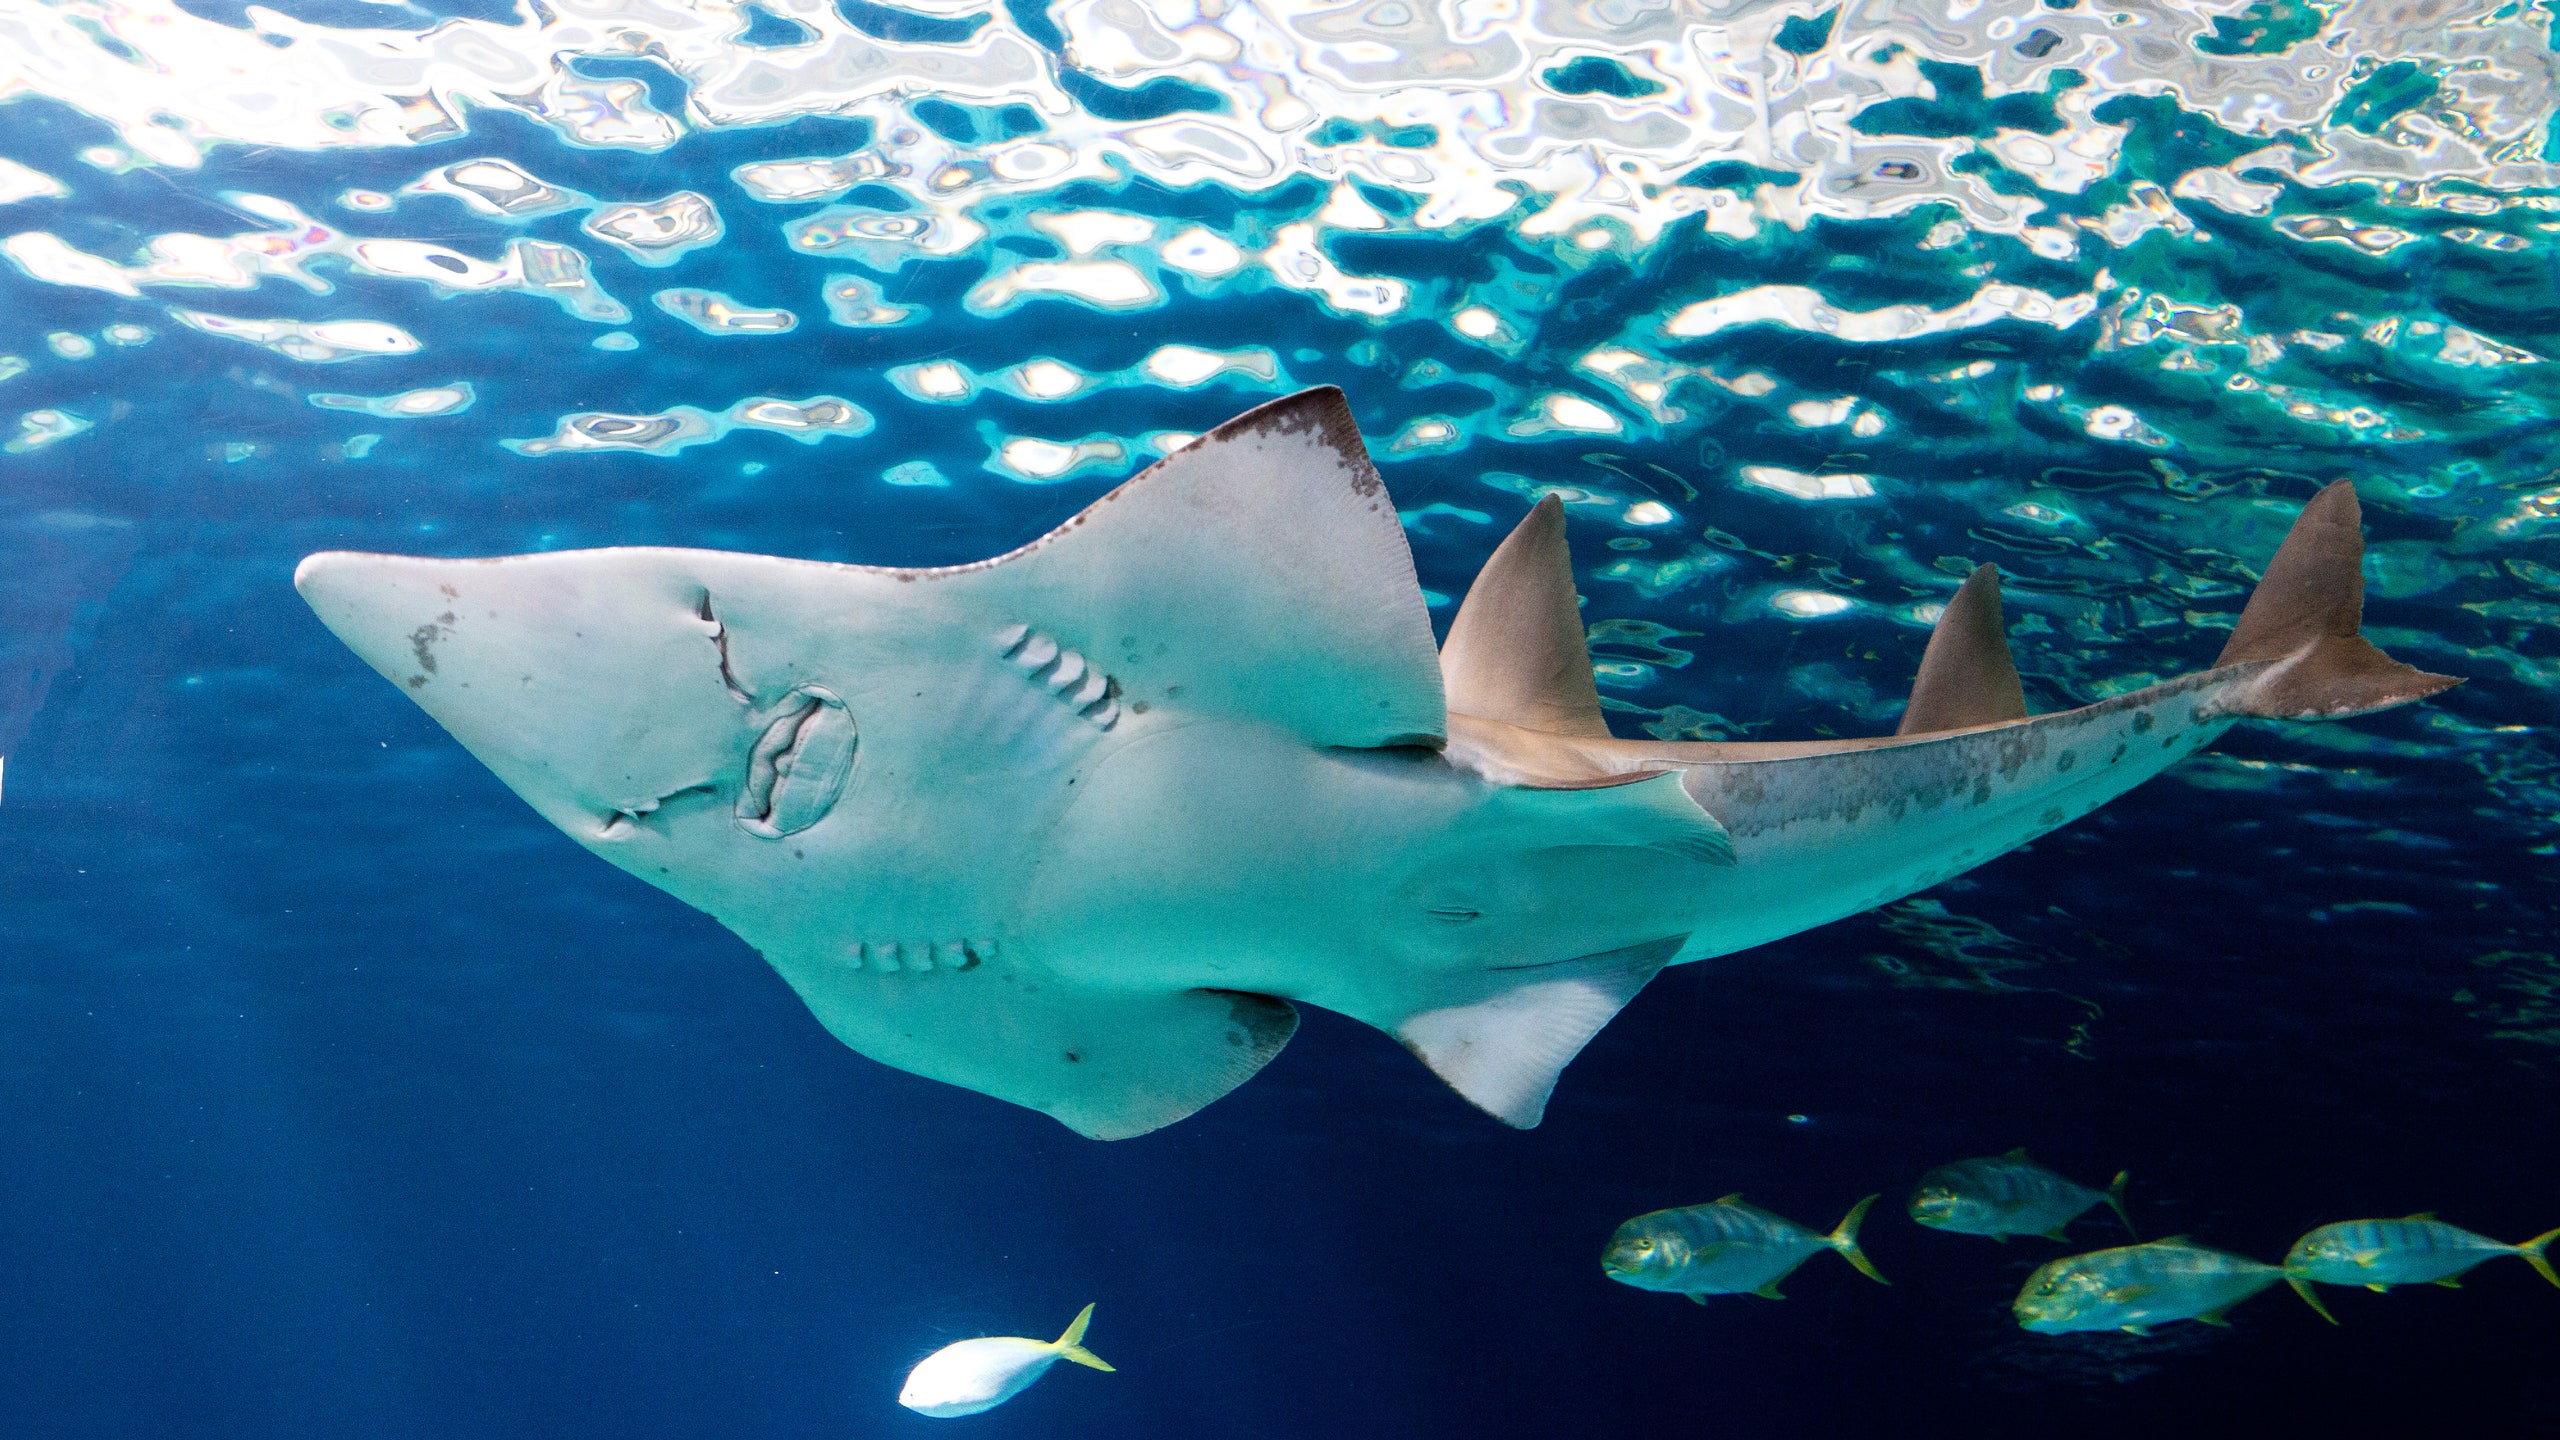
1729	1248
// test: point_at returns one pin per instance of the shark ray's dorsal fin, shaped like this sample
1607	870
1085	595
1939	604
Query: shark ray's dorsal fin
1966	676
2307	614
1504	1053
1259	572
1516	653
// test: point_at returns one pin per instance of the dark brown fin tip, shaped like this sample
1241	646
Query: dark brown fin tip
1322	408
1515	653
1966	676
2308	614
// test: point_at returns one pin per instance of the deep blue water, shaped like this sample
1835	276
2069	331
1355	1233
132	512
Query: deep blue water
345	1097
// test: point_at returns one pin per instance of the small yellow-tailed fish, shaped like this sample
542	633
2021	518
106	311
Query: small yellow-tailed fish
2418	1250
2139	1286
2005	1195
1725	1248
976	1375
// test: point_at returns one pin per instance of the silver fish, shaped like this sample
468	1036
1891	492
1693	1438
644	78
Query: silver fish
2417	1250
2138	1286
1725	1248
979	1375
2005	1195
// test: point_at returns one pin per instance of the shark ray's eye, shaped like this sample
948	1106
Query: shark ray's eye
799	765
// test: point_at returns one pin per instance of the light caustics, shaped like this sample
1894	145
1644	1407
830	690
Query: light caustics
1998	230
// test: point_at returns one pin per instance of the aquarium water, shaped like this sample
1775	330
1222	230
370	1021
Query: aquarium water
341	1095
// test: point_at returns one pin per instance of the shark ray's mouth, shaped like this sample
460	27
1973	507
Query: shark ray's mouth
799	766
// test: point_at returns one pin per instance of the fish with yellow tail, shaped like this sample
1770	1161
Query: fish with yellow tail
2417	1250
2136	1287
1725	1248
982	1374
2005	1195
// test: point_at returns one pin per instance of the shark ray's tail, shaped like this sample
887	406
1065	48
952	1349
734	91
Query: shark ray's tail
1070	1346
2307	616
2537	1253
1844	1238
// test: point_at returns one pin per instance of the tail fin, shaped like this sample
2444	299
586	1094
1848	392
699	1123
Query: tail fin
1070	1346
2115	1197
1516	653
1966	676
2537	1253
2310	1297
2307	615
1844	1238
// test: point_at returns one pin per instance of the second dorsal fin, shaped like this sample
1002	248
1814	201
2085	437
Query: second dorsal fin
1515	653
1966	676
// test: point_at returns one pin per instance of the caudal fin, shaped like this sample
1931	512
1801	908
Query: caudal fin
1071	1344
1844	1238
2307	616
2115	1197
2310	1297
2537	1253
1966	676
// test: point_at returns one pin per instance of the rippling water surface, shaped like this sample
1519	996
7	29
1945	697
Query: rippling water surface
347	1098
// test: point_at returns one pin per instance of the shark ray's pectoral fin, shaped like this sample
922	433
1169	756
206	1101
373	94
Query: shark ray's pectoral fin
1145	1061
1966	675
1505	1052
1259	573
1516	653
1108	1064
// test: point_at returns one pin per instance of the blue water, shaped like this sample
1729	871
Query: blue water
346	1097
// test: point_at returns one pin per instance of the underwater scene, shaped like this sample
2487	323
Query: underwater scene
1315	705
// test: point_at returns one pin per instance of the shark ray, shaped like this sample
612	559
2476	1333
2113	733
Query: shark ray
1079	826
